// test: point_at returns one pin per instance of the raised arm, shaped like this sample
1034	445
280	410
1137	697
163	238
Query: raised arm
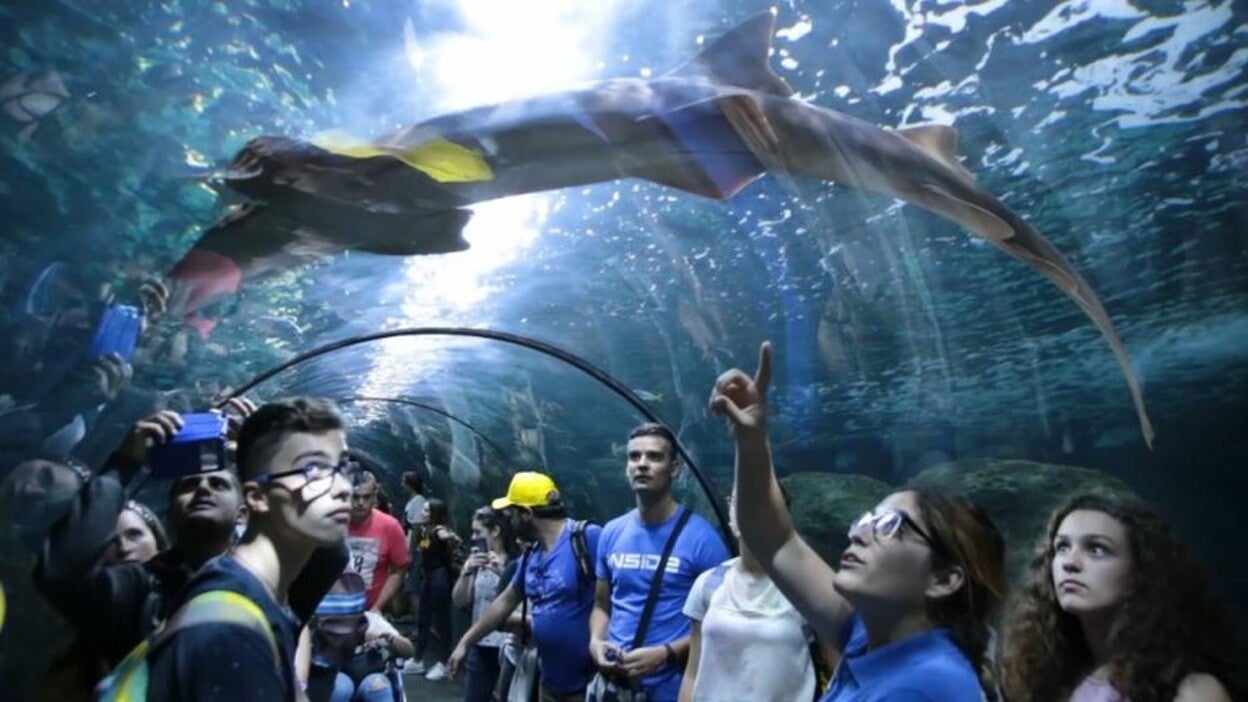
70	568
766	527
466	583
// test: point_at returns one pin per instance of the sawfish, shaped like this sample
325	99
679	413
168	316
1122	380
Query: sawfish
710	128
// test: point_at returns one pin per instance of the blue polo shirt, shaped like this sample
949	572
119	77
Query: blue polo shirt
560	603
927	667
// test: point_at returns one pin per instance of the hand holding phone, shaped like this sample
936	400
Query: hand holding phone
198	447
117	332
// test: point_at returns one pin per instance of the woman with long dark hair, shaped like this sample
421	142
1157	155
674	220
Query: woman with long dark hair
1113	610
437	545
910	605
487	571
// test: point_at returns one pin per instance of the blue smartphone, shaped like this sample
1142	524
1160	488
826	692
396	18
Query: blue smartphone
117	332
198	447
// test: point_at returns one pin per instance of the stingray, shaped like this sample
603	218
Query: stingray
709	128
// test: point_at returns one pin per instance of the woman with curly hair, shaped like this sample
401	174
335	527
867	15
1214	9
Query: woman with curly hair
1115	611
911	602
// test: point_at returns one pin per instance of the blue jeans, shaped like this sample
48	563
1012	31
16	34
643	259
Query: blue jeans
374	688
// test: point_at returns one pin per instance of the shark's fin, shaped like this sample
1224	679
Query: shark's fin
751	124
739	57
723	144
438	232
940	142
680	175
976	218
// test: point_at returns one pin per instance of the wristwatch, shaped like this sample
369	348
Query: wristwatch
671	654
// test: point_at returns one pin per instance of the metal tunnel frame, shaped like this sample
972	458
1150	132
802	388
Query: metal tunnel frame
530	343
436	410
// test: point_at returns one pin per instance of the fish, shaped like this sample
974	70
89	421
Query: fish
710	128
29	97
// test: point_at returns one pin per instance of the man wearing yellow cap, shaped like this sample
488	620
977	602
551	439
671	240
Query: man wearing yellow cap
556	575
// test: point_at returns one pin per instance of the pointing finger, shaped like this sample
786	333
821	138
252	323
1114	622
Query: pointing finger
762	378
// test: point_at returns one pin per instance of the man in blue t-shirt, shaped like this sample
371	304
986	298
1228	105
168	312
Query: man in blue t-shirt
628	558
556	577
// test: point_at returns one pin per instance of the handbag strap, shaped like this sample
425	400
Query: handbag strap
652	599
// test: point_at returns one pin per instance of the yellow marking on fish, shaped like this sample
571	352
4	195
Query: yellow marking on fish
442	160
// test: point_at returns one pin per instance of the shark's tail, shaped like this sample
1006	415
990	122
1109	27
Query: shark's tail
1032	248
959	198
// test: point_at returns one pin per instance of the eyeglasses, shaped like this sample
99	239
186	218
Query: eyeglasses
887	523
314	471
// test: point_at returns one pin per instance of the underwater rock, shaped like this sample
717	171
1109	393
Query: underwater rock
824	504
1019	495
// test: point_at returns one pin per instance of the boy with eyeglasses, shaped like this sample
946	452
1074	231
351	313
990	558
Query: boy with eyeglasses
292	462
114	607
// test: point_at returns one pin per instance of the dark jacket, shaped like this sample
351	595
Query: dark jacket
226	662
114	607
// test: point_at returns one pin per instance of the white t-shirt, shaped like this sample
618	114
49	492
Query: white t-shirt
753	643
378	626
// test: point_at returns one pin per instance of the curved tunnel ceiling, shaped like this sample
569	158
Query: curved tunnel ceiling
328	356
498	451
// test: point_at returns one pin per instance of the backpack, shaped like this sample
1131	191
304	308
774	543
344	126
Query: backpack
128	681
580	549
823	674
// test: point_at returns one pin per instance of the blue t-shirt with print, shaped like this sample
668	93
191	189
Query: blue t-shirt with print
628	556
560	604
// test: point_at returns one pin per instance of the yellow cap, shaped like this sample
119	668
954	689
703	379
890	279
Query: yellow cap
528	490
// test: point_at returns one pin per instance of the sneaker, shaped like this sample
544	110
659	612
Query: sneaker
414	667
436	673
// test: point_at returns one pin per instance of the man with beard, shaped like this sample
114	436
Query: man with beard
555	575
114	607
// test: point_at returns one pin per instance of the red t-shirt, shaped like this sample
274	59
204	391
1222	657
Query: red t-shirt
376	546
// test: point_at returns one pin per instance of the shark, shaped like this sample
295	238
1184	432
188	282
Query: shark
710	128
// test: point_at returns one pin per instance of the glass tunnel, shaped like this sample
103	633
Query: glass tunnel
500	235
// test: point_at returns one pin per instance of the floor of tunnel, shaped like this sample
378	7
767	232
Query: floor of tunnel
420	690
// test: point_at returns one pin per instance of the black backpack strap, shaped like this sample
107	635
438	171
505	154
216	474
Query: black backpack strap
524	598
580	548
655	585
